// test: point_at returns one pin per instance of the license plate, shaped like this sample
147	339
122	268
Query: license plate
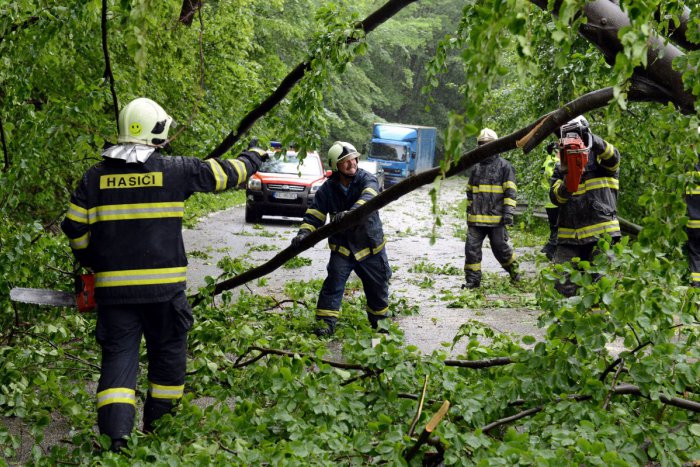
284	195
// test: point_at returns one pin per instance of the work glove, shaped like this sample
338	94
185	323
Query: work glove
507	220
338	216
253	147
300	236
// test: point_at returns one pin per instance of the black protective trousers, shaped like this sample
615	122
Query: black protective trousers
694	259
500	245
119	330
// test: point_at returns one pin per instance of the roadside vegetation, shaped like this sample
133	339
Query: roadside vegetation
260	389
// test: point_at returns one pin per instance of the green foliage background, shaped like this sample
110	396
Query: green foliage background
452	64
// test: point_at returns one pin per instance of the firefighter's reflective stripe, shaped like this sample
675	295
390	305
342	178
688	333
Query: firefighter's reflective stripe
140	277
360	202
80	243
381	312
370	190
695	276
365	252
77	213
484	219
329	313
308	227
508	184
340	249
510	202
116	396
591	230
220	176
694	224
158	391
509	262
240	168
693	191
608	153
596	184
488	188
472	267
122	212
317	214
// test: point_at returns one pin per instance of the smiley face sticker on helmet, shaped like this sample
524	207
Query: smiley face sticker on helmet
135	129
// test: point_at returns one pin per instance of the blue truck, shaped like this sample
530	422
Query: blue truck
402	150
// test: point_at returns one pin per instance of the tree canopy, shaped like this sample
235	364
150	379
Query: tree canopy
308	72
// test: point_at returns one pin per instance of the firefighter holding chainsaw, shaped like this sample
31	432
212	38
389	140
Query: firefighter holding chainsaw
358	248
124	222
491	192
585	186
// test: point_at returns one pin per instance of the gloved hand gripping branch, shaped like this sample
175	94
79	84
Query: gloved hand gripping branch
296	241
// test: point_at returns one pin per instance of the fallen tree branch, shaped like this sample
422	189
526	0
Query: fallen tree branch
583	104
429	428
476	364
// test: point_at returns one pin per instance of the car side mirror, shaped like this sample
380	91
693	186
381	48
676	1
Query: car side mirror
329	173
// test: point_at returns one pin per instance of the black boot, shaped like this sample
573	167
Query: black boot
472	280
118	445
325	326
374	321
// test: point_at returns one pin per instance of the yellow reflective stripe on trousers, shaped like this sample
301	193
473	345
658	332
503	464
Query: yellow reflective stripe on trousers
509	262
329	313
381	312
116	396
695	276
317	214
123	212
484	219
158	391
590	231
140	277
472	267
80	243
488	188
220	177
694	224
77	214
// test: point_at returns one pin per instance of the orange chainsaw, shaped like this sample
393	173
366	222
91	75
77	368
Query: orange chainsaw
83	298
573	157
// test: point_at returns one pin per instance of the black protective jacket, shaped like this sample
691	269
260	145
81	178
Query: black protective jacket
125	221
491	192
590	212
361	240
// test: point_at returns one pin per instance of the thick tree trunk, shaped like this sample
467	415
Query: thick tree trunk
605	19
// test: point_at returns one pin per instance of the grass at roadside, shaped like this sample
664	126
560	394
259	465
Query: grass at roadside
201	204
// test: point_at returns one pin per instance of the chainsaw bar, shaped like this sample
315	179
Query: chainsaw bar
43	297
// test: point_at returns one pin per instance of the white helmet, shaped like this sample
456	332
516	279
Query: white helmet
486	135
339	152
143	121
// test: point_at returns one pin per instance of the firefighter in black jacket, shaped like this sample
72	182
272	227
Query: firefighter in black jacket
359	248
491	202
591	211
693	204
124	223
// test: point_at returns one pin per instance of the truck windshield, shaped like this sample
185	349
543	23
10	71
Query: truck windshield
388	152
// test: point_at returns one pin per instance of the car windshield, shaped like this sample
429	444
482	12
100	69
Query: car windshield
290	165
389	152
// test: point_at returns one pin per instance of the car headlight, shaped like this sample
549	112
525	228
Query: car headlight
254	184
314	188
